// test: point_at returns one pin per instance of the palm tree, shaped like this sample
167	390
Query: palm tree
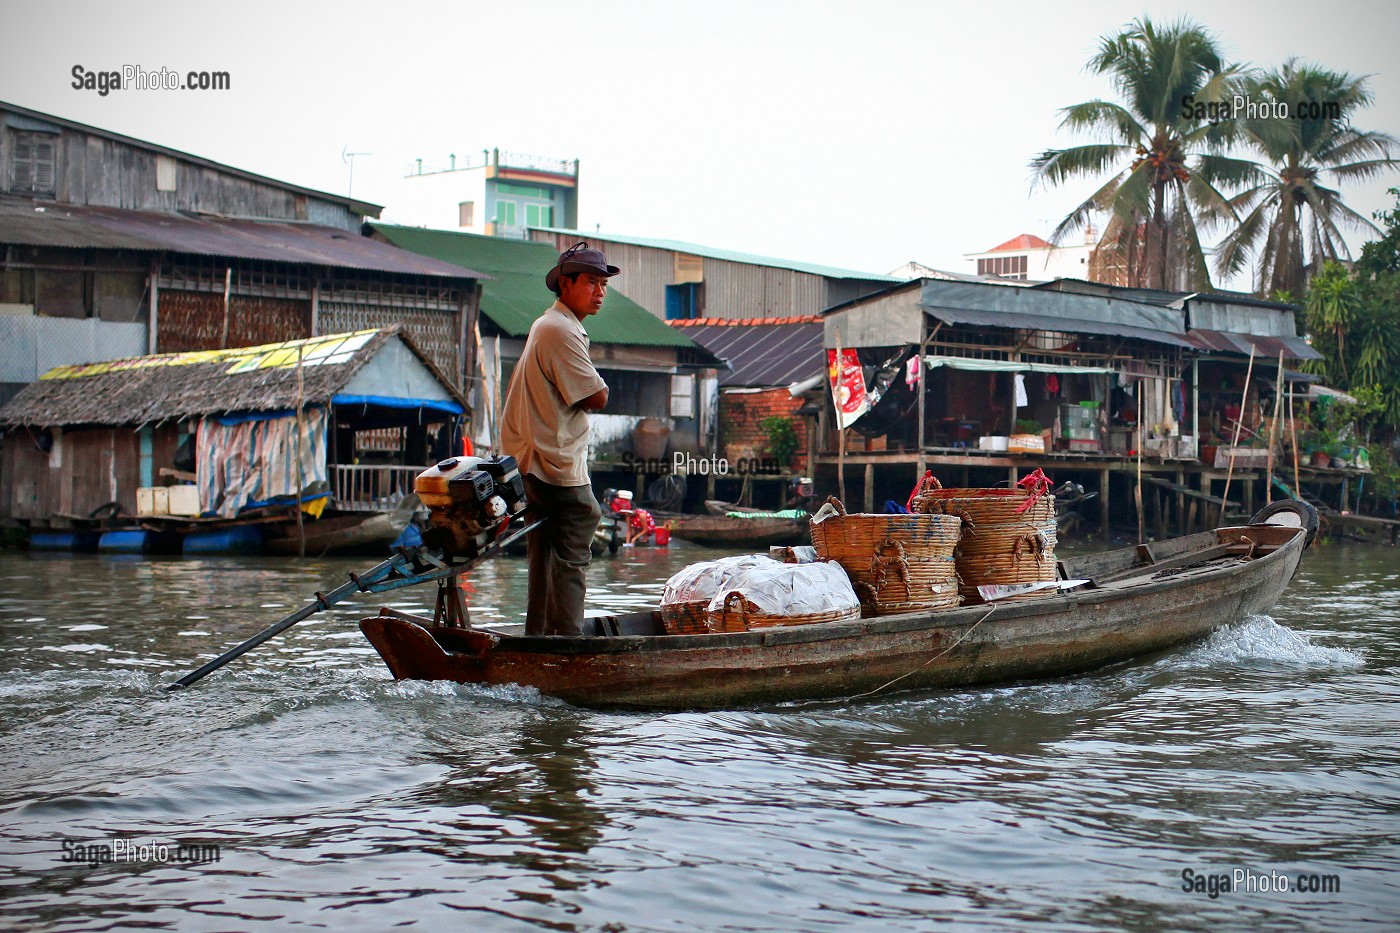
1291	220
1163	178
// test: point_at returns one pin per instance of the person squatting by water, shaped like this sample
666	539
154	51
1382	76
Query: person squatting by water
545	427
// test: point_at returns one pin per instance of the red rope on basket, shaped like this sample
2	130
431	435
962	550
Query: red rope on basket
927	479
1037	484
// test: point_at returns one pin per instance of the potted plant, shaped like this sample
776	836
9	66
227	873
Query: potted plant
1208	449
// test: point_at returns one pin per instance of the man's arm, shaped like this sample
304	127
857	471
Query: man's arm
595	402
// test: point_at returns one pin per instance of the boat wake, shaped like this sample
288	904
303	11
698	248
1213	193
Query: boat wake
1260	639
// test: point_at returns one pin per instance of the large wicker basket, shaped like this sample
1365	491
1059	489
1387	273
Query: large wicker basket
1004	554
1008	535
993	505
740	615
688	618
898	563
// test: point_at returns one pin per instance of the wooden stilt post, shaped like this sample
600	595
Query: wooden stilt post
840	428
1293	433
1239	422
1273	434
1137	490
1103	503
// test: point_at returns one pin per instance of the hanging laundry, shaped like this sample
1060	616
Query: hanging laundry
1052	386
912	370
1021	399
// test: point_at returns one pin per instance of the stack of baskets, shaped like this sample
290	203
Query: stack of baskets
898	563
1008	535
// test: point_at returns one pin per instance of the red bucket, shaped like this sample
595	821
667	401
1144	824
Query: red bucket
663	536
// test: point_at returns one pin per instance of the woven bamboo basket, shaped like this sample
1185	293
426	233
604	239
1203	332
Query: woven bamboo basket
974	505
1006	554
898	563
687	618
1015	538
740	615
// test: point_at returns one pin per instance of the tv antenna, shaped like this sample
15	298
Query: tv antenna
349	159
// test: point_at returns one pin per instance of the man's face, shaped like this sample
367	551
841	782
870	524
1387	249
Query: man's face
583	294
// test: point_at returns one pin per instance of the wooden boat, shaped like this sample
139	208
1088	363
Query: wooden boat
341	532
720	529
1138	600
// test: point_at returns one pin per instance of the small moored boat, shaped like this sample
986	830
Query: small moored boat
724	526
1130	602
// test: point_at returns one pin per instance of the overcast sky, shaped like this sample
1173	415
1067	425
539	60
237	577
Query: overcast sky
862	134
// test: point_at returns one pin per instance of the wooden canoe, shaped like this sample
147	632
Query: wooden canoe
718	529
341	532
1141	600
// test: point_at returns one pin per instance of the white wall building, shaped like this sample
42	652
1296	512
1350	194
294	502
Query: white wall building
1029	258
494	193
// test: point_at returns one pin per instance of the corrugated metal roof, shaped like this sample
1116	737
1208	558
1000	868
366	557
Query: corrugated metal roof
1035	309
1155	296
515	294
1159	296
1041	322
709	252
1216	341
32	223
761	351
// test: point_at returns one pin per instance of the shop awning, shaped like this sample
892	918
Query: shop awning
1219	341
1010	366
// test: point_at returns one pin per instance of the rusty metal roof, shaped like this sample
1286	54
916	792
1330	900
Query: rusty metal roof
1219	341
35	223
761	351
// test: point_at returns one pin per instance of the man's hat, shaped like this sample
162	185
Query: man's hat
578	258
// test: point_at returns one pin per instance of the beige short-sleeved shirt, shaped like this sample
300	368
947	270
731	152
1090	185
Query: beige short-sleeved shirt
540	427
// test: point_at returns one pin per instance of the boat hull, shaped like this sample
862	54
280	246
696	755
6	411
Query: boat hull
344	533
1009	641
722	531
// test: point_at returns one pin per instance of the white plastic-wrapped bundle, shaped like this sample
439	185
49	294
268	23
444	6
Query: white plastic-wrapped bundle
687	594
772	593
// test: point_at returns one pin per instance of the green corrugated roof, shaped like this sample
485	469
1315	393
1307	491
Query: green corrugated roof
515	295
830	272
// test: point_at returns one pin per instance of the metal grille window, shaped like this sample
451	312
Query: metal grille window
1007	267
33	168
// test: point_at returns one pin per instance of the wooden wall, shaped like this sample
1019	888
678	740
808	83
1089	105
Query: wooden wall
87	468
94	168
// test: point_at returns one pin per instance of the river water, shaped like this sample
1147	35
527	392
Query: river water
339	798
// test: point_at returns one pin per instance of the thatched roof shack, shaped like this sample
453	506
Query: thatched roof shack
380	368
95	433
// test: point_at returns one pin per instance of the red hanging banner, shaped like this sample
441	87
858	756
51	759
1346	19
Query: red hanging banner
847	387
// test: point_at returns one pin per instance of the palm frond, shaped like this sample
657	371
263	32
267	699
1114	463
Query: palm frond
1054	166
1081	216
1104	116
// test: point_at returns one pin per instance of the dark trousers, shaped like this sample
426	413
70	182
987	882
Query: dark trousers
559	556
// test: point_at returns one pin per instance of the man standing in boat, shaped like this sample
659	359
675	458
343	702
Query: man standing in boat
545	427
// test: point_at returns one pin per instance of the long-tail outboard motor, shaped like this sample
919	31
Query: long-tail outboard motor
469	499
